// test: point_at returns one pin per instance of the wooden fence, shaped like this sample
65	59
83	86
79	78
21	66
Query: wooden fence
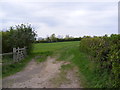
18	54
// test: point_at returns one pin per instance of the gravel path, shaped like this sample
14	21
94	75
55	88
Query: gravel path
38	75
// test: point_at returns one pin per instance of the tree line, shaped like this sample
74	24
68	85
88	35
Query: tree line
54	38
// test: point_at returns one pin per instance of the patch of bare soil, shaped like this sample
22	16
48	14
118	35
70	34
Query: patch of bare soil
74	80
39	75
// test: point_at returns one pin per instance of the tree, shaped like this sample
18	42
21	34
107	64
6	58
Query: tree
18	36
48	39
53	38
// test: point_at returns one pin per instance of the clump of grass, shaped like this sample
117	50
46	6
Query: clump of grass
42	56
66	67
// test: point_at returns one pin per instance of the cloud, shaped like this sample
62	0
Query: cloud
74	18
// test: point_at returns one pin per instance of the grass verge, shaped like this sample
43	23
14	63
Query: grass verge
8	70
89	76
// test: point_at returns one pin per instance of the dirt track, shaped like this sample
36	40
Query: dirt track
41	75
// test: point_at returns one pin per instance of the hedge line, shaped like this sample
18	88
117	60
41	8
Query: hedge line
105	52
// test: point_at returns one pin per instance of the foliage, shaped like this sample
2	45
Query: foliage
53	38
90	76
18	36
105	52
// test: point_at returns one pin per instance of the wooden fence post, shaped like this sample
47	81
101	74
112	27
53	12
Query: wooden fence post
25	52
18	54
14	54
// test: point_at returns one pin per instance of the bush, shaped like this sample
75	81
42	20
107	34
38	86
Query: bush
105	52
18	36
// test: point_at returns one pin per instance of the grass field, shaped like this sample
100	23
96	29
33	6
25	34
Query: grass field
40	53
50	47
42	50
68	51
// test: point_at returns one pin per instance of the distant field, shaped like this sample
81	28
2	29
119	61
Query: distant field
50	47
43	50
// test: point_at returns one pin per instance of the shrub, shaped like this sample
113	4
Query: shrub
18	36
105	51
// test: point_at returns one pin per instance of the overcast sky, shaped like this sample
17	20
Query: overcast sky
75	18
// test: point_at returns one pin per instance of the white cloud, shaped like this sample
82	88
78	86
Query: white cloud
78	13
76	19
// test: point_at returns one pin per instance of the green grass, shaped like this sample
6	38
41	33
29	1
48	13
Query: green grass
40	53
7	59
67	51
42	50
11	69
50	47
89	76
42	56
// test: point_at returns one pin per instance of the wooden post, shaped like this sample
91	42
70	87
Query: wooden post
25	52
14	54
21	54
18	54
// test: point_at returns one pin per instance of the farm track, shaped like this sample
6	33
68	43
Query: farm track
39	75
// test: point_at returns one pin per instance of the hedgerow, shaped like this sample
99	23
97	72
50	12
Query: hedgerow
105	53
